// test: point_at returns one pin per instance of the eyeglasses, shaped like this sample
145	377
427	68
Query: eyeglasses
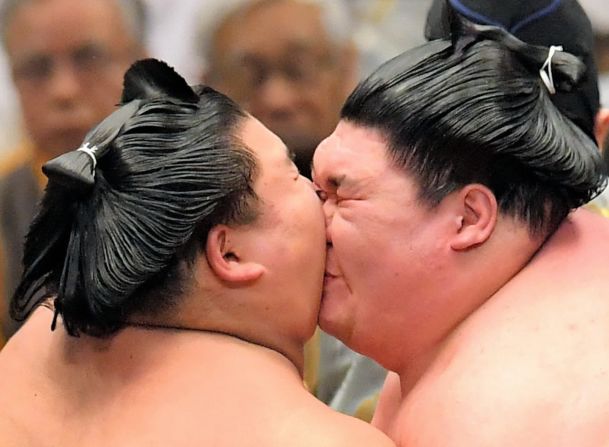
87	60
246	76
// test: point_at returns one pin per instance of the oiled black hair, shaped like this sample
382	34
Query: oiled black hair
537	22
475	110
121	223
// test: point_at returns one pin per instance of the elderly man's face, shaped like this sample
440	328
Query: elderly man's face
68	58
383	247
277	61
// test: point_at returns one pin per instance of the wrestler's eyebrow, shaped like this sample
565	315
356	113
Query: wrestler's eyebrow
331	181
334	181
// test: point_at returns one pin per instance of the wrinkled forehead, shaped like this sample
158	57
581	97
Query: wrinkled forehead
350	149
70	20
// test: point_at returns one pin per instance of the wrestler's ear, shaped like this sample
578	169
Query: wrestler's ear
475	217
226	257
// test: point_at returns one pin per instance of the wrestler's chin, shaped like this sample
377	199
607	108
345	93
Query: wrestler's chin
335	315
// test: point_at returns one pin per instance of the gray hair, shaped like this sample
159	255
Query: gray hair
133	12
336	15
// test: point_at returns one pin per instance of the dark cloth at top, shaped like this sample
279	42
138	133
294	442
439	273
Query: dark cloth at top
537	22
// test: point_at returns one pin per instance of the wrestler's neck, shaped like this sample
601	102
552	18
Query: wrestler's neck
151	354
478	276
195	317
485	270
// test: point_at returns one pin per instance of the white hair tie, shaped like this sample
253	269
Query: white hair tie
547	77
90	151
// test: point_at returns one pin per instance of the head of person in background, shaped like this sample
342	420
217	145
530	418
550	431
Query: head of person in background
290	63
180	234
448	186
67	58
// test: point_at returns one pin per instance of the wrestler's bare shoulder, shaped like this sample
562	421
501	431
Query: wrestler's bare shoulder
511	401
325	427
149	388
579	249
231	417
531	367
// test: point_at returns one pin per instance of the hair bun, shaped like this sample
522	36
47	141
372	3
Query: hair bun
74	171
567	68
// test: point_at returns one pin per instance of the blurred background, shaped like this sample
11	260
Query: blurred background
381	29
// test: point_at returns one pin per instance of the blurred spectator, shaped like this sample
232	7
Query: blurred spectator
67	59
295	79
381	29
9	112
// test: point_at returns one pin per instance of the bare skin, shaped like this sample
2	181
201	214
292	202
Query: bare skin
529	367
234	377
160	387
496	336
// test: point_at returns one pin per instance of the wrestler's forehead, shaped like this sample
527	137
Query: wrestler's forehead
350	150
